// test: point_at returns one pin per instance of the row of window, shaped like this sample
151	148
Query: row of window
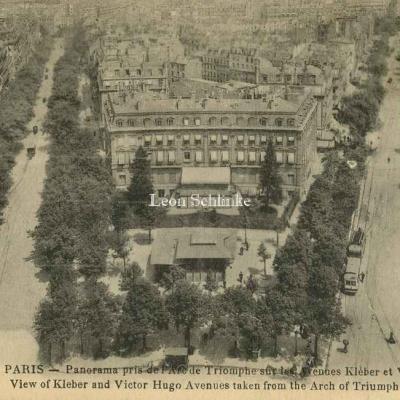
213	121
212	139
171	179
223	156
138	72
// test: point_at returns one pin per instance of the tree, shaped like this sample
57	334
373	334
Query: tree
130	275
120	211
264	255
360	112
229	314
170	278
142	314
55	320
140	186
96	317
283	314
323	314
140	189
211	282
298	249
187	307
270	180
118	241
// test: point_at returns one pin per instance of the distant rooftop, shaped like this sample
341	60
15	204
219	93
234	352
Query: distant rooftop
125	103
172	245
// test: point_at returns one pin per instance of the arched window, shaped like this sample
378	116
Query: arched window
225	121
131	122
170	121
240	121
158	122
290	122
119	122
263	121
212	121
251	121
279	122
147	122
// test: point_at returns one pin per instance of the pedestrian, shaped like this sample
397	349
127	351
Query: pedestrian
346	345
388	159
309	341
246	245
391	339
240	277
361	277
241	251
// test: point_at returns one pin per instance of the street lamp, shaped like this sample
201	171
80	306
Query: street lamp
245	235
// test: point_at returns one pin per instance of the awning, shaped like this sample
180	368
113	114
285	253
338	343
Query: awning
240	138
186	138
263	139
252	138
290	158
225	138
197	138
213	138
225	156
160	156
213	156
199	156
252	156
170	138
147	139
279	157
159	138
262	155
171	156
206	175
131	157
290	139
279	139
240	156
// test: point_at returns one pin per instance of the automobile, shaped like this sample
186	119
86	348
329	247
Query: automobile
35	129
176	358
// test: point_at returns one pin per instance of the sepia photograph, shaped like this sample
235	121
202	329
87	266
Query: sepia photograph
198	199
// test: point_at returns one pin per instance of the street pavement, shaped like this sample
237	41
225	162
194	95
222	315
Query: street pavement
21	288
374	310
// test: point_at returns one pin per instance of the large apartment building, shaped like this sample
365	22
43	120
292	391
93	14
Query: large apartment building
228	136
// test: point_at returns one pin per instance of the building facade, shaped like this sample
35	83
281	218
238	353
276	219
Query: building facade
215	133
